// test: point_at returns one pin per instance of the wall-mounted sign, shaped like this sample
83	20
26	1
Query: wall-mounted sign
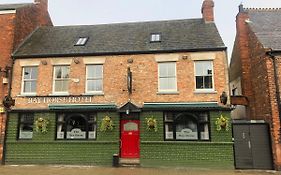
58	100
2	110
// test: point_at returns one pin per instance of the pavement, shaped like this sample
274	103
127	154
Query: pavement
94	170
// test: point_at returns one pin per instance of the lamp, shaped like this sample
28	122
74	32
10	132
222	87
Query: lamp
223	98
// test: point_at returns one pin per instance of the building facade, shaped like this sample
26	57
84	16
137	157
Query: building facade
255	73
17	21
152	92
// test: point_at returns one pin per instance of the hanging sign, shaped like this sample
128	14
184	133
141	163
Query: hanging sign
2	110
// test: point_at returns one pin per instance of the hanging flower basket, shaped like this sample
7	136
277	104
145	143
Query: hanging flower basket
222	123
41	125
106	124
151	124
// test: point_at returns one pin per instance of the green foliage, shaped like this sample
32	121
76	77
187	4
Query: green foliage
41	125
222	123
106	124
151	124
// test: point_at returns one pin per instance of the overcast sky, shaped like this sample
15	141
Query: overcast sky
76	12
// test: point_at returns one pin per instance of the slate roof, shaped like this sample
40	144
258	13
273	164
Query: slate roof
266	23
122	38
13	6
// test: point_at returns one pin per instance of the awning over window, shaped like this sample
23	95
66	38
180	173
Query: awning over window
83	107
185	106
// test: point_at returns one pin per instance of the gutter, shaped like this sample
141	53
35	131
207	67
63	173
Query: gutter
272	55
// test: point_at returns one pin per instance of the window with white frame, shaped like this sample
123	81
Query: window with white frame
29	79
26	121
155	37
73	126
204	74
94	75
61	79
167	80
187	126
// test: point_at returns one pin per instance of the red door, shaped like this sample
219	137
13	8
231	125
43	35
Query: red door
130	139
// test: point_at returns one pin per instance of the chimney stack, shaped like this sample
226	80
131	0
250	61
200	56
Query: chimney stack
42	3
207	10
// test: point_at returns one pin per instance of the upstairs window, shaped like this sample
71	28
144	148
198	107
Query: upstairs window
204	74
167	80
26	121
61	79
81	41
155	37
29	79
94	81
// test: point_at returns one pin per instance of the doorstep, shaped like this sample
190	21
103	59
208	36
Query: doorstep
129	162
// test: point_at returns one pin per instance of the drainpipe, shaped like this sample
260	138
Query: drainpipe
275	67
10	74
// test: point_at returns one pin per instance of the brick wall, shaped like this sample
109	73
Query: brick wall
14	28
145	80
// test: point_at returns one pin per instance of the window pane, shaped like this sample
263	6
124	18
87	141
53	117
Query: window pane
168	116
27	86
26	126
163	82
208	82
186	130
34	73
65	72
169	131
58	72
163	70
27	73
199	82
204	132
203	68
76	128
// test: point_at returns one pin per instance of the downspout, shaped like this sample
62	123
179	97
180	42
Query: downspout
272	56
10	75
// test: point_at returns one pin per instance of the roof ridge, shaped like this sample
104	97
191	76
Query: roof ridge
262	9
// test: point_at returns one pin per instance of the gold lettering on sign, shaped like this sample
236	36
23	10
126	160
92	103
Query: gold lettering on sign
57	100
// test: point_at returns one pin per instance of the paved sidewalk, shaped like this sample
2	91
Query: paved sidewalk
92	170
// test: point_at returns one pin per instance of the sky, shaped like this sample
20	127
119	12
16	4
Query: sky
90	12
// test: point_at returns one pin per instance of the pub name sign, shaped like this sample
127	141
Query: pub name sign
56	100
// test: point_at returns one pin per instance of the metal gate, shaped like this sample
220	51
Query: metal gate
252	146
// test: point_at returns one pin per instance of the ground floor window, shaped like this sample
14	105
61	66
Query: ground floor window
73	126
26	121
186	126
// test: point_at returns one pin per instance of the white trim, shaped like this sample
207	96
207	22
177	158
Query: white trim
60	92
86	84
22	83
29	62
167	57
176	83
94	60
3	12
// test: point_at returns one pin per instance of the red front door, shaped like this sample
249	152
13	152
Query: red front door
130	139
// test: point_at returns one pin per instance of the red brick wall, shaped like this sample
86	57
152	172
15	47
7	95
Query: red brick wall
145	81
258	83
14	28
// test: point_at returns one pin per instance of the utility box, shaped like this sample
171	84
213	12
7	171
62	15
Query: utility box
115	161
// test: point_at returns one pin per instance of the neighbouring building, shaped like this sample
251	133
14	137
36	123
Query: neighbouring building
152	92
17	21
255	86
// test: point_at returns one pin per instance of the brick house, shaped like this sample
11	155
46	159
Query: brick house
148	91
255	76
17	21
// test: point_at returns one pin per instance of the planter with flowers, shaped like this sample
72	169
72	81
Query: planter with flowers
151	124
41	125
222	123
106	124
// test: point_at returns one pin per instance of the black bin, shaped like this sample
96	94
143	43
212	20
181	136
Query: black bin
115	161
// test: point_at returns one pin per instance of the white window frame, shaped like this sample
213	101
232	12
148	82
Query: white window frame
87	78
81	41
54	79
28	80
204	90
155	37
167	90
